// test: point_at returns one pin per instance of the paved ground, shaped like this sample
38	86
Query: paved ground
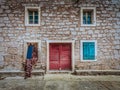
62	82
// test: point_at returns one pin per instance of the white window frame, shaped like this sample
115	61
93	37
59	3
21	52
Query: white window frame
81	49
94	16
27	19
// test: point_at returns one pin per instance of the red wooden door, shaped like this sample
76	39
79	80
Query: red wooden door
60	56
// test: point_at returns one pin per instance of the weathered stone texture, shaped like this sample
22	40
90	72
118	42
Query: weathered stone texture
12	50
60	20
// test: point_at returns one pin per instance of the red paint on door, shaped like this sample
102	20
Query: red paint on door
60	56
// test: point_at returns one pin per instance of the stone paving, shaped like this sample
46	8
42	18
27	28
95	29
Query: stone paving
61	82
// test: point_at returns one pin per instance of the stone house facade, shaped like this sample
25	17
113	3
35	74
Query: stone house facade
69	36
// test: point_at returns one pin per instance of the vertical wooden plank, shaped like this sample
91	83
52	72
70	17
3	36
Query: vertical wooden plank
65	57
54	56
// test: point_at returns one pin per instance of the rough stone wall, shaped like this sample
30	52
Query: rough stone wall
60	20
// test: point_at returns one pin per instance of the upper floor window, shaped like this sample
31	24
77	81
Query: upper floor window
88	16
32	16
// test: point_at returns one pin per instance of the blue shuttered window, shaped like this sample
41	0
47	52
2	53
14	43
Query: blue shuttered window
88	50
88	16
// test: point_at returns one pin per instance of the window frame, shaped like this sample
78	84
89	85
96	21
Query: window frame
27	16
81	49
94	16
32	41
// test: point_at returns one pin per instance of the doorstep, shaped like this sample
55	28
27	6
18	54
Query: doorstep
14	73
97	72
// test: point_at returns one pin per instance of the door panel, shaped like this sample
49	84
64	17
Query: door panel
54	56
65	57
60	56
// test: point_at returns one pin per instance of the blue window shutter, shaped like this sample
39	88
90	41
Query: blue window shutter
92	51
88	51
85	51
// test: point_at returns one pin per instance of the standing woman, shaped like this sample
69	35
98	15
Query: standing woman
28	63
31	59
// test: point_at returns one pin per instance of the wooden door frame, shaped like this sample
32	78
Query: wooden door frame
72	53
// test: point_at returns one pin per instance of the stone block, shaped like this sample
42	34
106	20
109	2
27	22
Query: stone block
117	26
2	24
67	32
1	59
45	14
95	67
73	33
1	10
12	50
99	35
1	62
6	18
7	11
62	2
116	52
118	22
10	15
1	49
8	59
90	32
117	47
109	9
1	39
68	23
18	58
72	29
117	37
118	14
